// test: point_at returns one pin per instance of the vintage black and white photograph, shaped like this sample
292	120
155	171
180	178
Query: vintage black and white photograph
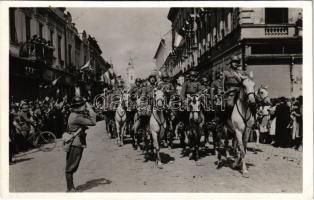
167	99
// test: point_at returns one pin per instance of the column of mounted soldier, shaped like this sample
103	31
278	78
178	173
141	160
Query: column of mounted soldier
155	113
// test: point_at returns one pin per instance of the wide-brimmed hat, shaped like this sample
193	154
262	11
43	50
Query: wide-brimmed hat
138	80
77	102
235	59
154	75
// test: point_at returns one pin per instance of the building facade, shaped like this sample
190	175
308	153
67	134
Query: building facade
268	40
44	46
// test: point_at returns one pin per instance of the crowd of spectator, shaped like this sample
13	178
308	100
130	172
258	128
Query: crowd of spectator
281	122
29	117
38	47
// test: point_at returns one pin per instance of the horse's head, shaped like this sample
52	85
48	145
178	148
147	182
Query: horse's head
262	95
124	101
194	105
159	99
247	92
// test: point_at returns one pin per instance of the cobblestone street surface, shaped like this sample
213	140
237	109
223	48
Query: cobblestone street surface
105	167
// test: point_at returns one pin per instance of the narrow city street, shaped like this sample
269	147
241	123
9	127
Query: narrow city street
105	167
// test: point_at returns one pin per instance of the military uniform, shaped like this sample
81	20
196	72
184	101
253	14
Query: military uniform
167	88
232	81
78	119
190	87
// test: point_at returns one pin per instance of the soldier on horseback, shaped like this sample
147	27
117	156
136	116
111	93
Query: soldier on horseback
148	90
231	81
168	89
135	93
191	88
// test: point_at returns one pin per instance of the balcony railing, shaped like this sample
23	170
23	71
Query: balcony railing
37	51
275	30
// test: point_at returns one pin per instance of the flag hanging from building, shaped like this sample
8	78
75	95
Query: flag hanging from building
54	82
87	66
179	40
107	77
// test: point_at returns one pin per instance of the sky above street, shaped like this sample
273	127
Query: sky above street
125	32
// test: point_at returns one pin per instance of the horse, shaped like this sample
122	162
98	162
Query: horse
157	123
120	120
242	120
262	95
196	119
176	119
262	99
141	122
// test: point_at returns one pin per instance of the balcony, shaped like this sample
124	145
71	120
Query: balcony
276	30
268	30
37	52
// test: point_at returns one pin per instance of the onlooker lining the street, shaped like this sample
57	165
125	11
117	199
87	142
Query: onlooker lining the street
282	121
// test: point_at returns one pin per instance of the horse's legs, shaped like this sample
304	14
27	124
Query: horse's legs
195	143
123	130
156	146
257	138
241	146
118	132
245	141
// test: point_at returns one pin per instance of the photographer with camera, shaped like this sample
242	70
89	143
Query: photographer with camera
81	116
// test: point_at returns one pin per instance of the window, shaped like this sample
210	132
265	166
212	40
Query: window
51	37
276	15
40	30
59	48
13	36
28	27
70	54
131	78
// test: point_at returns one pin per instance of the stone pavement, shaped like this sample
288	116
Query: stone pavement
105	167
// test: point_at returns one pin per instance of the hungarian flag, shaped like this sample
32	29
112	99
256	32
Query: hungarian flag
87	66
179	40
108	77
54	82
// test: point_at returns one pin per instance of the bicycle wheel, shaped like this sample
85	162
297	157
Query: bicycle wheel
46	141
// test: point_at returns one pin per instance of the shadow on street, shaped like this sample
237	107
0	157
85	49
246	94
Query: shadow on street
93	183
16	161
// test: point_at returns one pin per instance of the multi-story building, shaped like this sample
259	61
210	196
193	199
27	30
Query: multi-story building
268	40
44	46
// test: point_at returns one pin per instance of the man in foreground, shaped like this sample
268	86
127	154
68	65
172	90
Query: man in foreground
82	116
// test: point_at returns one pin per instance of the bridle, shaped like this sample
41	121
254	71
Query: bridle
246	96
259	95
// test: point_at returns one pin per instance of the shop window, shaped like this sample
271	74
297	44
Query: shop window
276	15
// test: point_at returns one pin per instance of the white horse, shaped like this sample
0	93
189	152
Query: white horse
196	121
262	99
157	123
120	120
242	120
